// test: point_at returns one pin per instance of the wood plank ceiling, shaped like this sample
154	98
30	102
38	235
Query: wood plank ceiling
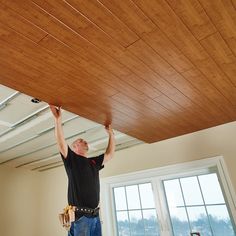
156	69
27	138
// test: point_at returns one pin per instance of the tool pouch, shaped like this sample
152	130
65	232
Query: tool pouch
67	217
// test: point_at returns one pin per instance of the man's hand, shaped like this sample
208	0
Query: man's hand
56	111
109	130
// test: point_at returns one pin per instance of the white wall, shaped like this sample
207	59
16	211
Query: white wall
50	194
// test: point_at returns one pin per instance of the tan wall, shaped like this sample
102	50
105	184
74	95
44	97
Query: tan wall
19	199
220	140
53	200
216	141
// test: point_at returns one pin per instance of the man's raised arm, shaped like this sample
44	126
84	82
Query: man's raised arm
111	145
56	111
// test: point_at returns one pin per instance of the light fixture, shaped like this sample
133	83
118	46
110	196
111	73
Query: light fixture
35	100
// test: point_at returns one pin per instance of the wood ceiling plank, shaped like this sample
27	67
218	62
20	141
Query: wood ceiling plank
173	118
77	22
102	17
165	126
61	32
172	126
159	83
140	114
120	119
161	86
65	20
8	78
103	115
195	77
219	79
85	106
20	24
36	78
70	19
130	14
167	50
151	58
166	19
194	17
103	107
185	115
61	90
222	54
127	84
143	71
223	15
26	8
74	41
166	71
47	65
122	59
205	105
142	85
164	47
120	84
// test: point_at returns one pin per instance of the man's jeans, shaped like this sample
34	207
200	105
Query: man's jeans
85	226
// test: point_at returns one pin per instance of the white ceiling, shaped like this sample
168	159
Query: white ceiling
27	133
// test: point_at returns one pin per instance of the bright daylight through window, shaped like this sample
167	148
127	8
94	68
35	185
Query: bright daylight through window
194	202
135	210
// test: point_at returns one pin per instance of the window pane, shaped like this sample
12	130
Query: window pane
133	197
123	223
208	220
211	189
120	199
191	191
199	221
129	213
179	221
146	194
136	223
220	221
150	222
173	193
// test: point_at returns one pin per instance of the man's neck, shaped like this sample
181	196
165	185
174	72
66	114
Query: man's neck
83	154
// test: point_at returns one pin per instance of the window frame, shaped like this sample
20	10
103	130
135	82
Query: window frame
156	176
128	210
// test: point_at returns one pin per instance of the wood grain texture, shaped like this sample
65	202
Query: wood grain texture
154	69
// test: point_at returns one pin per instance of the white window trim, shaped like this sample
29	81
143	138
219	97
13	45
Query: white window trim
161	173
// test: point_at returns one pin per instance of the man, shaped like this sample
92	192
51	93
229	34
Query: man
83	178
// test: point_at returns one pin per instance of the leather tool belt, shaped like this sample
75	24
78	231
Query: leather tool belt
69	214
90	212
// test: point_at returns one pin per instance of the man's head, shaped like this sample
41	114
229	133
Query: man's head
80	147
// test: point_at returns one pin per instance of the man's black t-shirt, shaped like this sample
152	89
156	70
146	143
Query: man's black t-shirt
83	179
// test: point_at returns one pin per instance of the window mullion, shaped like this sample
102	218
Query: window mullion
141	208
161	207
127	209
190	228
205	206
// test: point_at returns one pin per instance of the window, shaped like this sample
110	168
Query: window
170	201
196	204
135	210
